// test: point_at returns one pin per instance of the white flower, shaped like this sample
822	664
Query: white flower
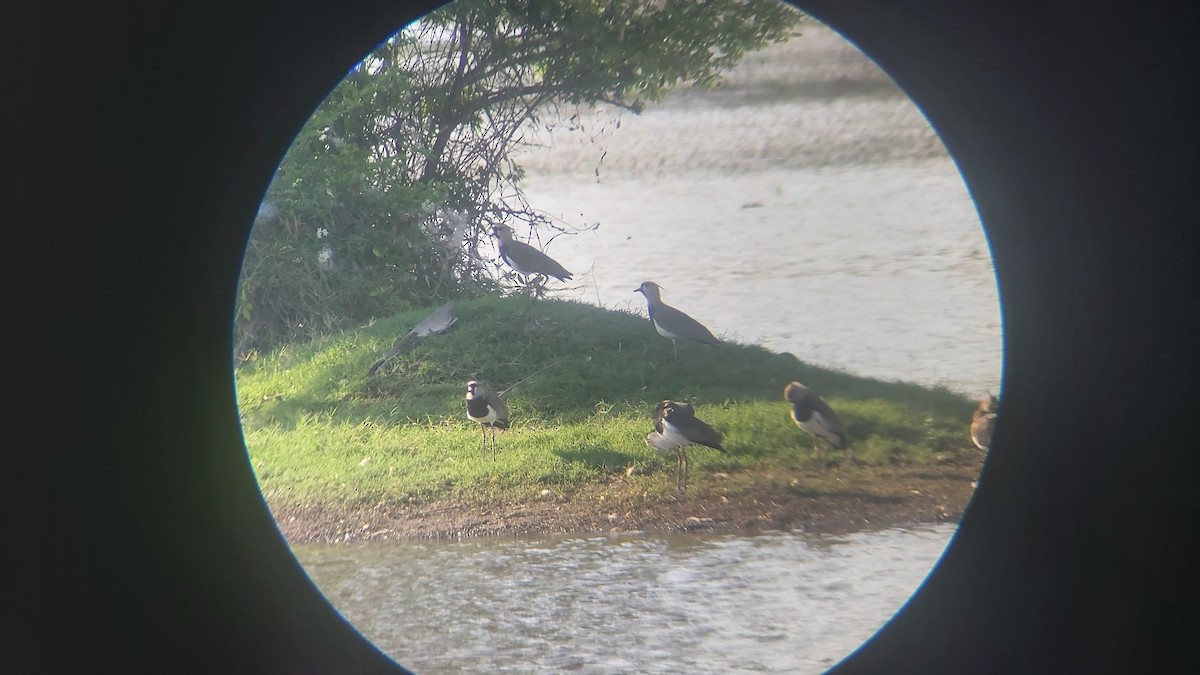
322	232
325	256
328	136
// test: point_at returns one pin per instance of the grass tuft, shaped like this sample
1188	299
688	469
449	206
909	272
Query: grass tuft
319	430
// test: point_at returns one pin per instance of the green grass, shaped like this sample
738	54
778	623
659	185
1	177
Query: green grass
319	430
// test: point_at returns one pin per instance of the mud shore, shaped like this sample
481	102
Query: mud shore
848	500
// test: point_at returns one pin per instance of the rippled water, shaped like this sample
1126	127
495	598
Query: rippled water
874	270
807	207
773	603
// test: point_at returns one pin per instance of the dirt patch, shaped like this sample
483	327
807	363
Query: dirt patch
832	501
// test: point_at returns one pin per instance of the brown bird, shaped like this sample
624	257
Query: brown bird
814	416
983	421
675	427
526	259
489	410
670	322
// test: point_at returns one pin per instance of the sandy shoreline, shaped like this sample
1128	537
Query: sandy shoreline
812	101
863	499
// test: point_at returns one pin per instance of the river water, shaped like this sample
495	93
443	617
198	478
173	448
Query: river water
807	207
772	603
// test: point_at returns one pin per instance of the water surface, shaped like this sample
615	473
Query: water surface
773	603
807	207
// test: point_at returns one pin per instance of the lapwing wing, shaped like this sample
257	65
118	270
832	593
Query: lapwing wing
670	322
489	410
438	322
814	416
675	427
525	259
983	421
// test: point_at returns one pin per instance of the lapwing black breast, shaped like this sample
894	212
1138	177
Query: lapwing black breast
526	259
670	322
814	416
676	427
983	421
676	421
485	407
488	409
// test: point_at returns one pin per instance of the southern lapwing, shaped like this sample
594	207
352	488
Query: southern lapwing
983	421
814	416
670	322
676	427
439	321
486	408
525	259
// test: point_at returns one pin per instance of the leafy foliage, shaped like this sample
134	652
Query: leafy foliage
386	199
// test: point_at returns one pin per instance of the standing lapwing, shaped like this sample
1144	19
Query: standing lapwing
670	322
983	421
525	259
814	416
486	408
676	427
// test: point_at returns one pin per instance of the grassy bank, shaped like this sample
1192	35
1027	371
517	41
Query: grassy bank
321	432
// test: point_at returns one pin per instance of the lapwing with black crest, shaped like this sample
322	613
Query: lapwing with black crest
527	260
814	416
983	421
670	322
488	410
676	427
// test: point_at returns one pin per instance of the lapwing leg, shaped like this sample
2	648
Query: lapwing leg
529	292
687	465
493	444
678	471
681	470
850	455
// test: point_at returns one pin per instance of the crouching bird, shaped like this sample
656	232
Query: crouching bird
814	416
670	322
983	421
676	427
526	259
486	408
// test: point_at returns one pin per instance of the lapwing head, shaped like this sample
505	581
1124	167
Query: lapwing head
472	386
502	232
649	289
665	410
794	391
989	403
674	409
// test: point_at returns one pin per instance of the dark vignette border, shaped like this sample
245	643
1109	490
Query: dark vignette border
147	133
